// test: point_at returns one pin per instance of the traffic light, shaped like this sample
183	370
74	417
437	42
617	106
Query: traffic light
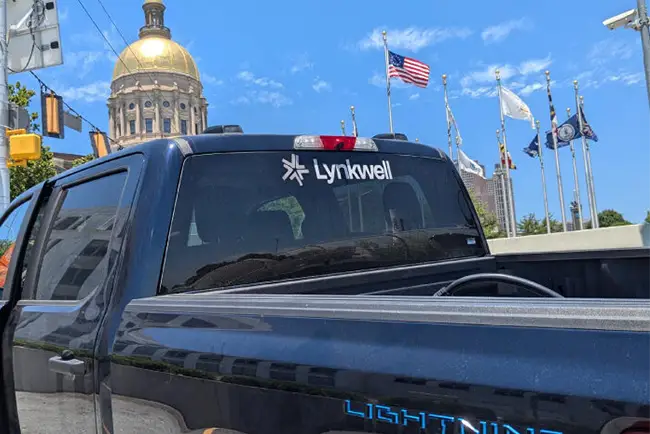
53	118
100	144
23	147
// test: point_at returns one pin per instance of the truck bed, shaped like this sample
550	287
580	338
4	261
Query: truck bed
329	361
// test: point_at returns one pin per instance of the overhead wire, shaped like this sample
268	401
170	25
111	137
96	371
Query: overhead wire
172	126
44	86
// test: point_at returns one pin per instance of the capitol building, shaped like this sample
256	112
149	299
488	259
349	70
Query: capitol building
156	89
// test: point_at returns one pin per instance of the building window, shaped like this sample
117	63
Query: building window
132	127
167	126
183	126
196	128
131	106
147	104
183	106
166	104
148	125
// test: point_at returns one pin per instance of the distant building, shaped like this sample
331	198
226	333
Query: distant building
156	89
63	161
477	184
496	203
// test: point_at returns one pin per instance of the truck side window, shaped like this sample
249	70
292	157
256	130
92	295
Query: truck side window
8	234
75	252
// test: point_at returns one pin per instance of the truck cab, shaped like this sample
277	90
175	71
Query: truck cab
261	284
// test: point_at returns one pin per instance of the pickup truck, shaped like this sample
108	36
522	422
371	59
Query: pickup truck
258	284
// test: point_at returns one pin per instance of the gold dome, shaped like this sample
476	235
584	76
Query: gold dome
155	54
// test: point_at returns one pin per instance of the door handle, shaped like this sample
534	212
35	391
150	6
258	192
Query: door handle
66	366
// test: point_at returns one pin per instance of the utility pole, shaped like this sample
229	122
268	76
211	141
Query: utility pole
642	10
4	110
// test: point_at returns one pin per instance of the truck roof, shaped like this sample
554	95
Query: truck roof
213	143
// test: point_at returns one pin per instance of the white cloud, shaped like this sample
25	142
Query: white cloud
274	98
488	75
379	79
530	88
414	96
479	92
610	50
210	79
241	100
82	62
501	31
249	77
535	66
321	85
63	14
92	92
412	38
507	71
301	64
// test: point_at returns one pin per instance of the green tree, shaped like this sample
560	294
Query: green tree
37	171
609	217
79	161
531	225
647	217
488	219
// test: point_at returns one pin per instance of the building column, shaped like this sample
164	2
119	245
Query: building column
192	108
138	116
177	115
157	127
111	122
122	119
204	117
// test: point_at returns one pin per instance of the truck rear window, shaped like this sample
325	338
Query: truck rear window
253	217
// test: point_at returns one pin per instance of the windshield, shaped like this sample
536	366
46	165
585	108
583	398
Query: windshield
253	217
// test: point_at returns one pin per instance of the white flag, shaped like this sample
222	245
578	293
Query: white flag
468	165
514	107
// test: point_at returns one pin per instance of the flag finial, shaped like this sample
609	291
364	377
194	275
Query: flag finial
352	107
498	74
548	75
537	123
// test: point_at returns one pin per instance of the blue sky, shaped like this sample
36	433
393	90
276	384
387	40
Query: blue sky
296	67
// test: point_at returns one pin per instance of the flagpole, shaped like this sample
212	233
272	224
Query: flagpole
541	166
585	146
576	181
511	205
355	131
343	127
503	189
560	188
595	223
444	87
390	107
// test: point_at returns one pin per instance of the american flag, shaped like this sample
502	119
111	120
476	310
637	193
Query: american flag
408	70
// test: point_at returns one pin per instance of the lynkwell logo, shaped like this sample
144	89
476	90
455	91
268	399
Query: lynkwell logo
332	172
294	170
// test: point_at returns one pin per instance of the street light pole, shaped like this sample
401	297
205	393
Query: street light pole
642	11
4	110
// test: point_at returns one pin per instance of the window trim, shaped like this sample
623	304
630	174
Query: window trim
17	255
57	198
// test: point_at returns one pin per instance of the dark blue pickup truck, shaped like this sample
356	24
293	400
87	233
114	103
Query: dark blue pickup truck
264	284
